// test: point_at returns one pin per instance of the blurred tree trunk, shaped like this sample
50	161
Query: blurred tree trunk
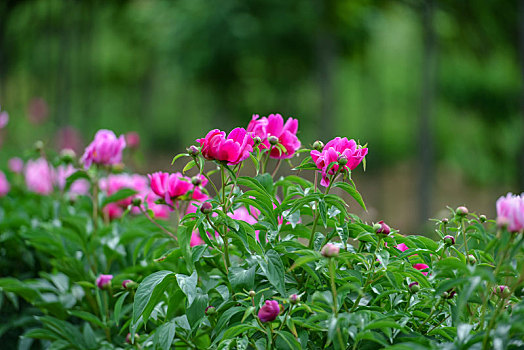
426	156
520	164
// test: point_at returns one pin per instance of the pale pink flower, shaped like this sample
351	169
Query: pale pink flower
105	149
39	176
510	210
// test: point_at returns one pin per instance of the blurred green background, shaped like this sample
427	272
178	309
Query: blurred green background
433	87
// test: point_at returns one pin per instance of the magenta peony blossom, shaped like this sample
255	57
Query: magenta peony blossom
4	119
16	165
510	211
402	247
4	184
196	239
39	176
105	149
159	210
169	186
331	153
421	267
115	182
232	149
274	125
104	281
269	311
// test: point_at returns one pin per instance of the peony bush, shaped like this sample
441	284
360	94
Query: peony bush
232	254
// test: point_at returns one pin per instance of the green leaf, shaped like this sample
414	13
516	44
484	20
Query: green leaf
118	196
149	293
164	335
323	212
289	339
236	330
87	316
196	311
15	286
180	155
274	271
352	191
118	307
189	165
80	174
242	278
188	285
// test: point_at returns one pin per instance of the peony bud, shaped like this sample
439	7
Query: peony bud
294	299
318	145
330	250
471	259
104	281
252	293
257	140
132	139
39	146
193	151
67	155
414	287
136	202
206	208
502	291
449	240
342	160
462	211
128	338
210	310
128	284
449	294
269	311
196	180
445	221
382	228
273	140
482	218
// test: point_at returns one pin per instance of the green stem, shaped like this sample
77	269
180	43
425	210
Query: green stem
485	341
166	231
465	238
333	286
370	279
276	168
433	310
222	172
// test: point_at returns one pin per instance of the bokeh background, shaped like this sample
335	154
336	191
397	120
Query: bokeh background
434	87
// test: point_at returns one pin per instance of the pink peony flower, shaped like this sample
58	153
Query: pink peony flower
269	311
105	149
169	186
421	267
132	139
16	165
402	247
510	211
115	182
104	281
4	184
196	239
79	187
159	210
39	176
274	125
4	119
232	149
335	148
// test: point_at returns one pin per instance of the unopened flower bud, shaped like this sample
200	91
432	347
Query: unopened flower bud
482	218
414	287
252	293
502	291
257	140
318	145
128	284
67	155
449	240
206	208
471	259
136	202
128	338
462	211
38	146
210	310
273	140
193	150
445	221
342	160
196	180
449	294
104	281
330	250
294	299
382	228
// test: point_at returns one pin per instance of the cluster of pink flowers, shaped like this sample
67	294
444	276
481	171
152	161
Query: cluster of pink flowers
337	150
510	212
273	125
41	178
105	149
